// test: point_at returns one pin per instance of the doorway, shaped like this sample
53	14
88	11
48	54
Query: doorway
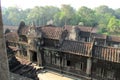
33	56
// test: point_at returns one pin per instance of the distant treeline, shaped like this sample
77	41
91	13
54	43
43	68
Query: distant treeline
106	19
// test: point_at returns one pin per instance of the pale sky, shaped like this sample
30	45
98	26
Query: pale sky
74	3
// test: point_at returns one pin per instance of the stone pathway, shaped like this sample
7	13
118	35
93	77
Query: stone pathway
55	76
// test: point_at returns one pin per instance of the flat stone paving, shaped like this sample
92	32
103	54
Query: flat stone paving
49	75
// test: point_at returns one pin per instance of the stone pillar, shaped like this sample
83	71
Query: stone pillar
39	56
29	55
4	69
89	65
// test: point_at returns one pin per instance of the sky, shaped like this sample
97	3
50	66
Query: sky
74	3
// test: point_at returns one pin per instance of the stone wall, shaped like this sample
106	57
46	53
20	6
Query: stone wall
4	70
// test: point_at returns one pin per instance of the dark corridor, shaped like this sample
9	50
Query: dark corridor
34	56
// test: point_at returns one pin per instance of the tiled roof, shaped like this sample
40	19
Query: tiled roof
99	36
73	47
82	28
85	29
24	30
113	38
79	48
49	25
12	36
30	31
11	28
52	32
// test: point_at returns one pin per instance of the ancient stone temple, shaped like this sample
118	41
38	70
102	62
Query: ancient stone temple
72	50
5	74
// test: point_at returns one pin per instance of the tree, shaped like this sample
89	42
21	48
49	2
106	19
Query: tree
103	13
65	16
5	14
75	19
87	16
34	15
104	10
113	25
41	15
117	13
23	15
49	12
67	12
14	15
103	20
58	19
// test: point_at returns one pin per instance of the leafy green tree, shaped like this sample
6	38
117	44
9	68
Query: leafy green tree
75	19
49	12
104	18
104	10
87	16
23	15
14	15
34	15
117	13
41	15
66	16
5	16
104	14
103	21
58	19
113	25
67	13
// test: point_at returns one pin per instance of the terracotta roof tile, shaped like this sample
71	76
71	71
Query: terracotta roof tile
99	36
113	38
73	47
12	36
80	48
24	30
12	28
52	32
82	28
85	29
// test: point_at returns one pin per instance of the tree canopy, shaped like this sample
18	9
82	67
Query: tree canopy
106	19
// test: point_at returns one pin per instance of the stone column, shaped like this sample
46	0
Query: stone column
39	56
29	55
89	65
4	69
